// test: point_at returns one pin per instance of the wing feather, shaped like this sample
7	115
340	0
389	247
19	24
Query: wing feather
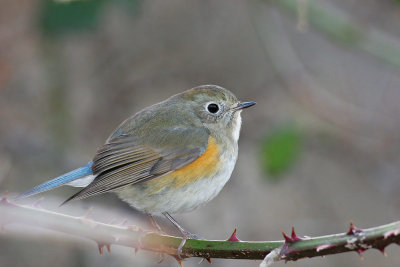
127	159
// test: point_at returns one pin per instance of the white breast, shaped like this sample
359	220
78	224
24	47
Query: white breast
237	123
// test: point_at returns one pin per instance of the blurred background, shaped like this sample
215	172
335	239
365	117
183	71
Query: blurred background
321	147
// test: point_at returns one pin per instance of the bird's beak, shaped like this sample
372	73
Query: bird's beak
243	105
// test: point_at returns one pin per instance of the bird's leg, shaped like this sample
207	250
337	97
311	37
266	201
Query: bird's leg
154	223
186	234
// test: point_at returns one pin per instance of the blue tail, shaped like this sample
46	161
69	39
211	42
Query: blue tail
59	181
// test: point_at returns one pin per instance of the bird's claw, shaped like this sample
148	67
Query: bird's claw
186	236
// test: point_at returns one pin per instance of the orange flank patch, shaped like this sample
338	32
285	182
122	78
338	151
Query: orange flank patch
203	167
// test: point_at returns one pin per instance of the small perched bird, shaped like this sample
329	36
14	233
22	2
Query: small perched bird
171	157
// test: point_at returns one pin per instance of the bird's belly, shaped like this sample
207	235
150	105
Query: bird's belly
176	197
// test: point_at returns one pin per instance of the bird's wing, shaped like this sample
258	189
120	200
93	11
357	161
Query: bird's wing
127	159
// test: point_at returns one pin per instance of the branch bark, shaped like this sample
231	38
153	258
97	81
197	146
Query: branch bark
291	248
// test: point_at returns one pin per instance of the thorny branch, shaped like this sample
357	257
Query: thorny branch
292	248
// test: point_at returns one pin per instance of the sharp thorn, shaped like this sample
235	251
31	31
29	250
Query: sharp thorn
353	229
123	223
4	200
287	238
207	259
294	236
4	197
233	237
100	246
138	247
88	213
382	249
178	260
36	204
360	251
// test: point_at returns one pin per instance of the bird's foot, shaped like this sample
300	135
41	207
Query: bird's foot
186	235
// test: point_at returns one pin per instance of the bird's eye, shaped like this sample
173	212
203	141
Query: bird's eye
213	108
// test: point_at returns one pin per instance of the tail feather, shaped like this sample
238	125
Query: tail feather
59	181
